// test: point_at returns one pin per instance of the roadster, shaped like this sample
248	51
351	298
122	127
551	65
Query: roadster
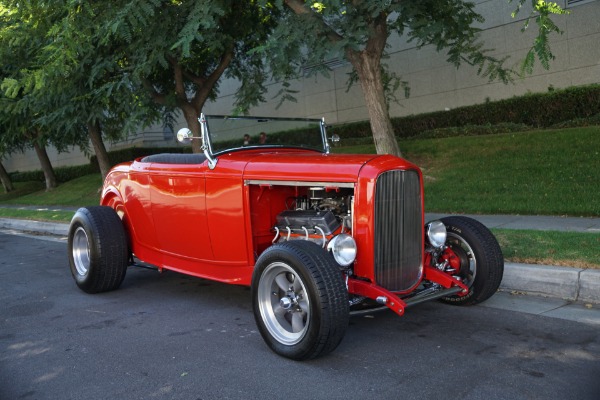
317	236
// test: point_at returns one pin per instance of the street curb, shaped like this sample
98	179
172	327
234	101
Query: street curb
589	285
53	228
564	282
574	284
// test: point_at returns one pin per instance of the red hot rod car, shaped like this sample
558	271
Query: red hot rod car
317	236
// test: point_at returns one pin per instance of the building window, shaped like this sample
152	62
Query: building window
329	64
573	3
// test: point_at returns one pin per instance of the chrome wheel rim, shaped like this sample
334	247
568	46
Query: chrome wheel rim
457	241
81	251
284	303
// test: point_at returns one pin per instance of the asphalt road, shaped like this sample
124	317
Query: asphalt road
168	336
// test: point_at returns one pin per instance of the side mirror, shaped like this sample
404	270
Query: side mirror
184	136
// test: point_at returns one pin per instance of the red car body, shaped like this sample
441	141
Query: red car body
177	209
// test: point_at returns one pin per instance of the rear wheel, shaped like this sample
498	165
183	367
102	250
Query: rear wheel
476	257
300	301
97	249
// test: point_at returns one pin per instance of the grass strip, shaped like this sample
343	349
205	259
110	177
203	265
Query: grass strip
549	172
77	192
552	172
21	189
569	249
37	215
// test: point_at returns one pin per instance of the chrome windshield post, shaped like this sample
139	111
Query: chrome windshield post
324	135
206	148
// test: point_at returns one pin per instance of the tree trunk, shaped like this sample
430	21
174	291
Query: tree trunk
5	178
367	63
46	165
95	134
191	108
191	117
369	75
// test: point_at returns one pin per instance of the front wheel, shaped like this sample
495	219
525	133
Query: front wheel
98	251
299	299
476	257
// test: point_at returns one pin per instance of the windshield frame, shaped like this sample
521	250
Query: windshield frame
211	154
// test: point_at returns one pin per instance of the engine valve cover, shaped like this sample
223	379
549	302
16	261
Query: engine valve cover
296	219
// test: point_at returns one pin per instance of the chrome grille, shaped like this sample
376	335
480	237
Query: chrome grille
398	230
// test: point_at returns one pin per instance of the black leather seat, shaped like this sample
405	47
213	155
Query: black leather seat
174	158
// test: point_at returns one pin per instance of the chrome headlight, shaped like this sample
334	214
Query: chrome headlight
343	249
436	233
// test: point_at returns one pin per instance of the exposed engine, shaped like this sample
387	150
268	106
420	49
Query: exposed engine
316	216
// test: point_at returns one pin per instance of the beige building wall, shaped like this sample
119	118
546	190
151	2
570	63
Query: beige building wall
435	84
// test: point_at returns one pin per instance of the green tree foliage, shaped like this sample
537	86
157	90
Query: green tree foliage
311	32
22	36
179	49
73	76
87	81
541	13
81	71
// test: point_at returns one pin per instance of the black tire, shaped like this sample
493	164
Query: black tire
481	259
98	251
308	316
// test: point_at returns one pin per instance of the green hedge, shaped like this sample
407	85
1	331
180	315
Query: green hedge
578	122
63	174
569	107
473	130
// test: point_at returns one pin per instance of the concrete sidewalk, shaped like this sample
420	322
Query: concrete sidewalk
570	284
24	225
533	222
